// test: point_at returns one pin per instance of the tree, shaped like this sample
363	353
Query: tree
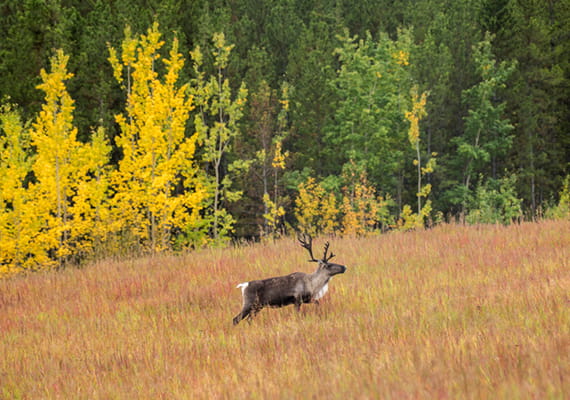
53	203
487	139
414	116
31	30
432	66
216	125
347	104
538	95
361	210
310	71
562	210
315	210
269	114
495	201
67	183
368	126
160	192
91	208
18	249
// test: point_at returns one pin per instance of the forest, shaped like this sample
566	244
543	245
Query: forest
149	126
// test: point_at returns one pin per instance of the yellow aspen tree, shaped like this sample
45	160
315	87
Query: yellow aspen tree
18	228
360	207
307	206
91	208
562	210
63	170
418	112
271	158
329	212
280	156
414	116
216	122
408	219
315	211
350	223
159	189
54	138
273	213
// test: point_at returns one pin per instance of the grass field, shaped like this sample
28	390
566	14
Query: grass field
453	312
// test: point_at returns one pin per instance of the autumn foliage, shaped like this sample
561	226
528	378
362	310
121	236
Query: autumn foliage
53	200
168	179
61	199
158	188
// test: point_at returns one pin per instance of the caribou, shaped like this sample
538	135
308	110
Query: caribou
296	288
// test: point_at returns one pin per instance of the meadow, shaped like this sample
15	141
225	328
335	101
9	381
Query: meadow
453	312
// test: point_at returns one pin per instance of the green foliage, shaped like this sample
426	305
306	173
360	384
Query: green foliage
487	136
495	201
538	93
349	68
312	66
368	126
562	210
217	128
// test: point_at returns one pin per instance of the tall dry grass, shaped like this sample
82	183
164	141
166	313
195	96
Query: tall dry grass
454	312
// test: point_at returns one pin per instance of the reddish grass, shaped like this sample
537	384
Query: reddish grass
453	312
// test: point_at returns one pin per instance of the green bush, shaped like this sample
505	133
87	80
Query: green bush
562	210
495	201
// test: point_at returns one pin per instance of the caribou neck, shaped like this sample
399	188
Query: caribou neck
318	279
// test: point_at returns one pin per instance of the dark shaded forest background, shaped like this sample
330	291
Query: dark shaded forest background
525	151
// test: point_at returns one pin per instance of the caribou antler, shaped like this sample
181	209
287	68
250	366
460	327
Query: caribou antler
325	259
307	242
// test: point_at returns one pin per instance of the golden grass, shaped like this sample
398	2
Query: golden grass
454	312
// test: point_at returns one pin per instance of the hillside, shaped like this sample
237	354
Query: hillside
163	125
452	312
